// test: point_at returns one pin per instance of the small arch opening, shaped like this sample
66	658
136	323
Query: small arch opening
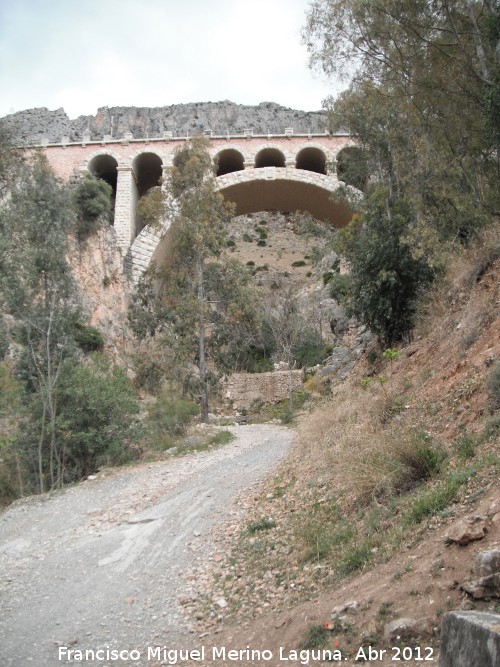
269	157
148	169
105	167
311	159
352	167
228	161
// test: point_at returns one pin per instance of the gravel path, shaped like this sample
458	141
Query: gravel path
101	564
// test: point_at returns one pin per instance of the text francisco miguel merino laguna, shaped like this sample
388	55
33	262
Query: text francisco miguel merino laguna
175	656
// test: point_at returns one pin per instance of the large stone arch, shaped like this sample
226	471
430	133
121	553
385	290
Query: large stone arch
284	189
252	190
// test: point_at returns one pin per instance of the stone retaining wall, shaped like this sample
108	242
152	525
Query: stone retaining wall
242	389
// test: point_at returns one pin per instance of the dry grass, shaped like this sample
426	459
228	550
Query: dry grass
366	452
465	268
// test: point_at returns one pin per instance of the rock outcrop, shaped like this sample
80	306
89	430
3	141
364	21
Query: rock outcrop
220	118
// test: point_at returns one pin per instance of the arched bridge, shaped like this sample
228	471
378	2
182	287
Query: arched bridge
257	172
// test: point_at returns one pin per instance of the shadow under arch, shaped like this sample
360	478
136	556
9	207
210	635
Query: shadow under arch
302	193
228	161
311	158
253	191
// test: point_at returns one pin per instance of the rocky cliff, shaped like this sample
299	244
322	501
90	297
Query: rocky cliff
181	119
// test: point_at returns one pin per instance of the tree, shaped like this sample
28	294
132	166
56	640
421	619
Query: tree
199	218
293	336
422	99
38	290
387	276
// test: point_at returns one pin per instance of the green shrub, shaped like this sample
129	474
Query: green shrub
309	349
431	503
222	438
339	287
251	263
151	208
355	558
170	415
230	243
299	262
93	200
423	460
327	276
96	418
4	340
89	339
261	243
465	446
260	525
317	637
246	237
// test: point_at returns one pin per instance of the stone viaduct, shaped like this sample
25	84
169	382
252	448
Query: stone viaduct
285	172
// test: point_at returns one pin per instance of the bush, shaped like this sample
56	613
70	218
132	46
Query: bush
93	200
437	499
317	637
96	422
4	340
327	277
170	415
89	339
388	463
151	208
299	262
261	243
339	287
260	525
309	350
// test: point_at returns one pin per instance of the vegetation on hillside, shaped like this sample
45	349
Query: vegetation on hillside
423	105
63	414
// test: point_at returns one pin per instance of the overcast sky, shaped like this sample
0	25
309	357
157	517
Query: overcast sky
84	54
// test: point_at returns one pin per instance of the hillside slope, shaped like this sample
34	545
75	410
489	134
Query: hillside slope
341	535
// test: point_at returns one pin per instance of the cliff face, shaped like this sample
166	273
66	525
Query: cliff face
181	119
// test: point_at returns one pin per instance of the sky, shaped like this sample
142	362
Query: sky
85	54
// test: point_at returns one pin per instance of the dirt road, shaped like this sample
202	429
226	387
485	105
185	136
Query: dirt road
99	566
